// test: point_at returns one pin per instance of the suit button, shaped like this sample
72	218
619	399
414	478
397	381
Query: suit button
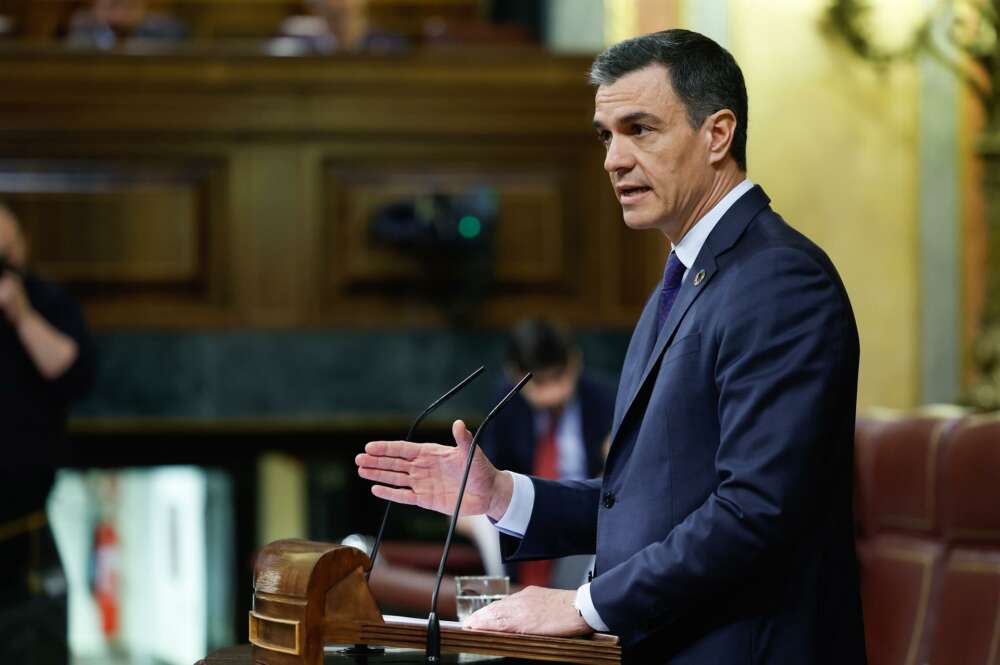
609	499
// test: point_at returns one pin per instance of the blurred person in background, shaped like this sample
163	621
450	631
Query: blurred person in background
555	428
46	360
110	23
327	26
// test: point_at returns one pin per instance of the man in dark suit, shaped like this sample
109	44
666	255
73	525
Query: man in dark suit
562	399
722	525
556	428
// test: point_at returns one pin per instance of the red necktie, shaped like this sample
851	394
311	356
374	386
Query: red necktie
538	573
547	455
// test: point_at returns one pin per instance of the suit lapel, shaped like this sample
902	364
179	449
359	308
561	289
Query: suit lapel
642	342
685	298
723	236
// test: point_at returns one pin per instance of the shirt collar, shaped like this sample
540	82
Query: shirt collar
690	245
543	419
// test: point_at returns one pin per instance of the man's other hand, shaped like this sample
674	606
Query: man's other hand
428	475
533	611
13	300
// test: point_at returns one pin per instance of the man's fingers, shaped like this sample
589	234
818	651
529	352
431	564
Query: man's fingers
387	477
395	495
364	460
402	449
534	611
489	618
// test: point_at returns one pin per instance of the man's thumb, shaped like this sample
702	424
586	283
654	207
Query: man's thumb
463	437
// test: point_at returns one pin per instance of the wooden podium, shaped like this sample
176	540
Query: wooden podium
308	595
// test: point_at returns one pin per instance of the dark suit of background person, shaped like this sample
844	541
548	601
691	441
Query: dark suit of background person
513	440
510	440
33	613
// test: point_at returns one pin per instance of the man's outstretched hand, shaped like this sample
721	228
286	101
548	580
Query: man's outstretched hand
428	475
533	611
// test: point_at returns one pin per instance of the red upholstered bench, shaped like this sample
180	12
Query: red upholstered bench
967	613
928	516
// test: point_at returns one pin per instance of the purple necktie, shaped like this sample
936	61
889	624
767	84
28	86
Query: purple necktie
673	273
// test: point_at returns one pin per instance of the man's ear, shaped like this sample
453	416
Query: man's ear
720	127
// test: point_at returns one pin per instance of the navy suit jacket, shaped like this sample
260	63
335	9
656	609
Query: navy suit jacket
722	525
510	440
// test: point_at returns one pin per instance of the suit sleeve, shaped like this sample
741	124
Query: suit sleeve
782	375
563	521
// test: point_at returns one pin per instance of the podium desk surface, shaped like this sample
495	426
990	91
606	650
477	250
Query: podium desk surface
240	655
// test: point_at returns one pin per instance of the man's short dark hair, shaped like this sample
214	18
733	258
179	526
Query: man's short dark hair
704	75
537	344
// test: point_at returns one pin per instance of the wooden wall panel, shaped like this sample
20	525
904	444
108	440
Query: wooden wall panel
106	226
532	235
208	191
642	258
546	245
530	230
123	232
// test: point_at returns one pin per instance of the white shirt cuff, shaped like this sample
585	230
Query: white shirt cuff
515	521
585	605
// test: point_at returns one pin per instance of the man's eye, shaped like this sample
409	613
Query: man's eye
604	137
639	130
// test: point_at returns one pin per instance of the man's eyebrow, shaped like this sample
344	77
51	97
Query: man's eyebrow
637	116
640	116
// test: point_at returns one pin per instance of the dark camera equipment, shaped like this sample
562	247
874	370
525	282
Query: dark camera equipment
438	222
451	236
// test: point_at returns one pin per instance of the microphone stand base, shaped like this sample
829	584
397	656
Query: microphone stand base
432	654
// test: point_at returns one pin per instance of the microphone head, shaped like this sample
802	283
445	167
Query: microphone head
496	409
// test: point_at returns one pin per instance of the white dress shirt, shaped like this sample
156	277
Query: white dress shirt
515	521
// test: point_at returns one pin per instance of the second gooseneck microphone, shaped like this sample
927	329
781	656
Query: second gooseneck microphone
433	650
409	437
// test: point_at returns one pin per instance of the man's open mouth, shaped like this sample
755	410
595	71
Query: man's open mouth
631	192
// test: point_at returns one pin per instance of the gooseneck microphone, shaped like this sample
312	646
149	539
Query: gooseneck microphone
409	436
433	650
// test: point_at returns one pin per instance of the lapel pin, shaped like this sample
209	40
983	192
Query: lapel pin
699	277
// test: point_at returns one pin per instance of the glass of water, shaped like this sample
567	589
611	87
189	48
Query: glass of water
477	591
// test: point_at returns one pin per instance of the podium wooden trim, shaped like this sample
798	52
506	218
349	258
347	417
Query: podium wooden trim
257	620
320	591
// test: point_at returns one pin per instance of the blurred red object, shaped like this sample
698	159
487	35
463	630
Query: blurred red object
106	563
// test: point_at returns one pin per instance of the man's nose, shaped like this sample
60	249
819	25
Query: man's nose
618	157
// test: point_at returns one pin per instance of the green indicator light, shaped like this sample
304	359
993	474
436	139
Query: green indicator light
470	227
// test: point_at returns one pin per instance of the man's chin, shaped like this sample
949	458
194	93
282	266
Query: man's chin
637	221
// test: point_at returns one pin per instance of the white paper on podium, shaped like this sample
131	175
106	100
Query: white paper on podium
417	621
